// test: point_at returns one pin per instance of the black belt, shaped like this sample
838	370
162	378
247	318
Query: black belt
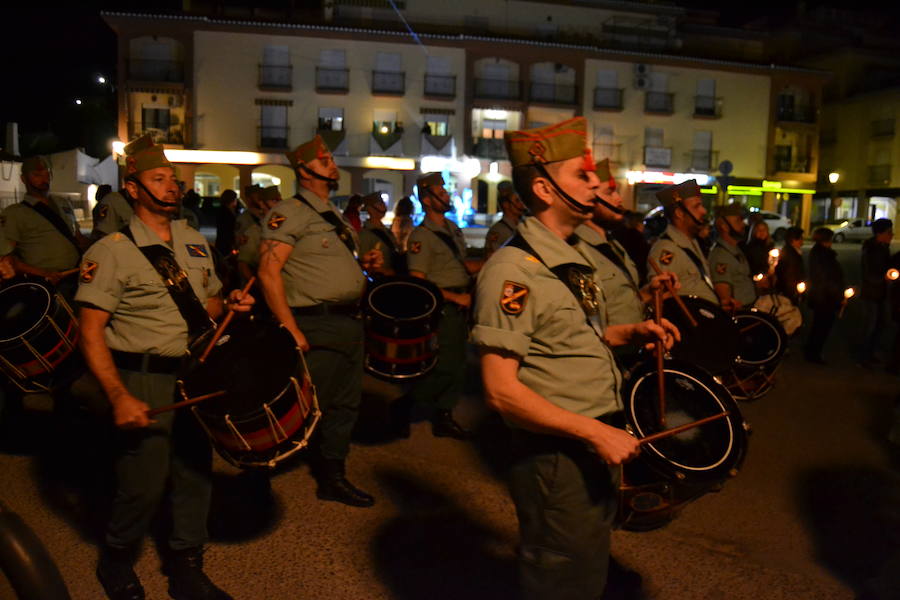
146	363
319	310
529	443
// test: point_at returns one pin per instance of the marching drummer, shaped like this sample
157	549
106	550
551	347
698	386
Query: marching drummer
313	284
43	230
144	293
248	249
253	212
731	275
548	370
112	213
437	252
374	235
502	230
677	249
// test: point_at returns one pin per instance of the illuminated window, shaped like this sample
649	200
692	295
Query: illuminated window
436	124
331	119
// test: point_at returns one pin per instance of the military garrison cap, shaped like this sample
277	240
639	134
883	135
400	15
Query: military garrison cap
34	163
676	193
729	210
308	151
603	171
553	143
142	155
270	194
252	189
433	178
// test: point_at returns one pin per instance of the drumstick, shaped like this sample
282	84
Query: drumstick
68	272
682	428
195	400
660	359
671	289
221	328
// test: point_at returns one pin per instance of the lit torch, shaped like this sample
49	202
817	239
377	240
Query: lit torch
801	287
892	274
848	293
758	277
774	253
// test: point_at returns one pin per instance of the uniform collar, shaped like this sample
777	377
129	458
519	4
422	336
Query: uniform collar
677	236
34	200
446	228
144	236
732	248
314	200
591	235
551	248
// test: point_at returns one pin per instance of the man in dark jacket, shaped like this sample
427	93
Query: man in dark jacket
875	260
789	271
825	293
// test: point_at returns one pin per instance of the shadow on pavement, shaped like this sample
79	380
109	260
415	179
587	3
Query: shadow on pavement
435	549
243	506
853	514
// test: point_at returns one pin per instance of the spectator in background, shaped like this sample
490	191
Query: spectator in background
631	235
757	247
875	260
225	222
825	292
402	225
351	213
789	270
190	204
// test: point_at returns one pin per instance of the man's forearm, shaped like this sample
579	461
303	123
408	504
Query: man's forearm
99	360
273	290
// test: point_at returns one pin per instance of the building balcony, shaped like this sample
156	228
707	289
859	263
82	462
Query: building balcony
608	98
330	80
497	89
437	145
703	161
389	82
273	137
552	93
796	114
490	148
659	103
879	175
335	139
386	144
882	128
145	69
707	107
275	78
659	157
440	86
800	165
162	133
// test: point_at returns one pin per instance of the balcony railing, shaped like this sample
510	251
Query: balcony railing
275	77
662	103
161	133
657	156
490	148
145	69
605	150
706	107
332	80
497	89
880	175
882	128
388	82
552	93
607	98
784	165
273	137
703	160
440	86
796	114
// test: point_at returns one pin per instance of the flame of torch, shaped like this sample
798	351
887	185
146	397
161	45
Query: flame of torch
848	293
758	277
801	287
892	274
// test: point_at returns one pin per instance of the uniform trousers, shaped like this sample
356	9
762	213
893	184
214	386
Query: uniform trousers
566	500
335	362
442	386
173	449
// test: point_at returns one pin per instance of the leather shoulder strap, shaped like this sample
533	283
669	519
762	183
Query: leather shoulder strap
55	220
342	228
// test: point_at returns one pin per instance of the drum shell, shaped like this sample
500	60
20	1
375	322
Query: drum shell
713	343
762	344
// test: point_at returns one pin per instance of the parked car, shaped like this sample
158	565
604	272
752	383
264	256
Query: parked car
778	224
856	230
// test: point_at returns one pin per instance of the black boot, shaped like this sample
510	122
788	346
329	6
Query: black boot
187	581
333	485
116	574
443	425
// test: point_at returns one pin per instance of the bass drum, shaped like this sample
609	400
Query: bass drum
674	470
38	333
401	316
782	309
712	343
762	343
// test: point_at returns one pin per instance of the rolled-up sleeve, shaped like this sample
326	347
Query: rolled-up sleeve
500	322
99	284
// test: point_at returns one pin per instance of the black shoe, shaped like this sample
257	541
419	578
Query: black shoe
338	489
116	575
187	581
443	425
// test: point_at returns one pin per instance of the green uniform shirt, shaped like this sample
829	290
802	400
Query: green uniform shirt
562	357
669	253
248	250
113	213
191	217
729	265
429	254
5	246
242	222
623	300
38	242
497	235
369	240
320	268
118	278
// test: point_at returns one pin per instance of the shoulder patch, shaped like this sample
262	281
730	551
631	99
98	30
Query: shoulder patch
103	211
88	270
532	259
415	247
512	299
666	257
198	250
493	237
721	268
275	221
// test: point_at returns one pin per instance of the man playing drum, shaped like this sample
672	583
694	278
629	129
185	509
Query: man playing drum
313	283
731	275
374	235
502	230
548	369
145	292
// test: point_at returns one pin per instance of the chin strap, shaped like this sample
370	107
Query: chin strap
572	202
446	205
156	200
615	209
695	219
315	175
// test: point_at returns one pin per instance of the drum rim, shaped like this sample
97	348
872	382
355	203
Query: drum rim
773	323
50	297
383	285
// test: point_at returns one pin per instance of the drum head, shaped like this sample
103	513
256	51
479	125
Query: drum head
713	343
706	453
23	304
761	338
403	298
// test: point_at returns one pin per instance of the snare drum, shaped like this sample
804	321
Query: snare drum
762	342
672	471
401	320
38	332
270	408
713	343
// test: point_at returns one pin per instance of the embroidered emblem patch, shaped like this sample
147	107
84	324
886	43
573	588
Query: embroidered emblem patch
415	247
275	221
537	151
721	268
88	269
666	257
103	211
512	300
198	250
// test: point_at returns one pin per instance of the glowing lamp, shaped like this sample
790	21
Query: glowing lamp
774	253
801	287
849	293
385	130
758	277
892	274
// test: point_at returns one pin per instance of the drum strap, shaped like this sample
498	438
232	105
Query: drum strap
694	258
343	230
55	220
176	281
385	237
445	237
612	253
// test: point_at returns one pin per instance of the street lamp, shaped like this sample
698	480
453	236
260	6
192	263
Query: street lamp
833	178
101	79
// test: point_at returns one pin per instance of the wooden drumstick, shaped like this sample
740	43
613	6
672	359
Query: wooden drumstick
682	428
660	359
68	272
670	287
220	330
190	401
